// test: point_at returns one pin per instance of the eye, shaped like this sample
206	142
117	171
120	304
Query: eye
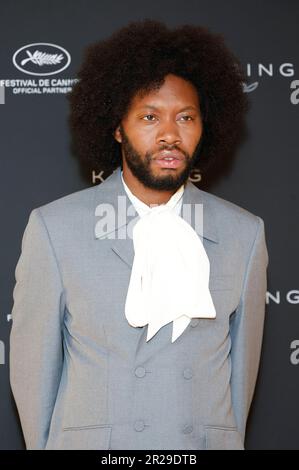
191	118
151	115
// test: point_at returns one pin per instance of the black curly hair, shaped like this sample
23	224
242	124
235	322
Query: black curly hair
136	58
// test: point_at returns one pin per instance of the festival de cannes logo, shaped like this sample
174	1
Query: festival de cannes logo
41	58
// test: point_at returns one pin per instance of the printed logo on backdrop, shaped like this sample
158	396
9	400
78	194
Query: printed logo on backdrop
39	63
2	353
260	71
41	58
194	177
290	297
46	60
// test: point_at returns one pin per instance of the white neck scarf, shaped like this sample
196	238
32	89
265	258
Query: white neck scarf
170	272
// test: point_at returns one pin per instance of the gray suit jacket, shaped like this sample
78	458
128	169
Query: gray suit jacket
83	378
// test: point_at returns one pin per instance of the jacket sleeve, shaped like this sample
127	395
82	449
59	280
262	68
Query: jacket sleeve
246	329
36	352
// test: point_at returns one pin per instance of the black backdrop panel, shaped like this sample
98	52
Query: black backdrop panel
37	165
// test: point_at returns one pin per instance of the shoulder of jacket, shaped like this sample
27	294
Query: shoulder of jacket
225	208
70	203
230	218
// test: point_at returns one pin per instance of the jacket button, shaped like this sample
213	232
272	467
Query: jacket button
140	371
188	373
194	322
139	425
188	429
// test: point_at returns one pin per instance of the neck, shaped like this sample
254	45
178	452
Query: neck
147	195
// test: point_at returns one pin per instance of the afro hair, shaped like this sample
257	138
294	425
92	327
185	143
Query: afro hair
137	58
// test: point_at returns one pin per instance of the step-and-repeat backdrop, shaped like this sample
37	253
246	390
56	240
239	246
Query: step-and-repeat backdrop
38	166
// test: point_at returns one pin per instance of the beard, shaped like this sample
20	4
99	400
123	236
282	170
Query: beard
141	167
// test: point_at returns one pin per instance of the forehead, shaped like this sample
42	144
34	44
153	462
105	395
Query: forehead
175	91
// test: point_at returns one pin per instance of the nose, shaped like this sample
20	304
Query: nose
168	133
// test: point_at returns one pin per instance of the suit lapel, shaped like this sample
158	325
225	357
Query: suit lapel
111	194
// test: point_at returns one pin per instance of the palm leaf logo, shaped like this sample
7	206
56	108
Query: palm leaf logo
250	88
41	58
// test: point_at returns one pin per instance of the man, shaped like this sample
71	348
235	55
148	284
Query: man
142	329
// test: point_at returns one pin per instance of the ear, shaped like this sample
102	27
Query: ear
117	135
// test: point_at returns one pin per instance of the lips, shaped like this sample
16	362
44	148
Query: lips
169	159
167	154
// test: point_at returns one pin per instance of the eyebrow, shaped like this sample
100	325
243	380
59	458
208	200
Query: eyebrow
148	106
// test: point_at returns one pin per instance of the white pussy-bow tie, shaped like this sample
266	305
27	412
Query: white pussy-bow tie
170	272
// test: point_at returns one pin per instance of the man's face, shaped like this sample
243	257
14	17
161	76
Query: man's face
162	124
